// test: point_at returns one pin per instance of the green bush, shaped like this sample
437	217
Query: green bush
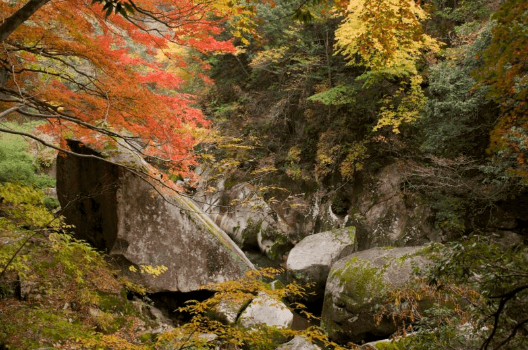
17	164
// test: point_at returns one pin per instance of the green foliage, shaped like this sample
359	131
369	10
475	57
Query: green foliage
479	294
457	117
338	95
16	163
68	294
449	213
463	11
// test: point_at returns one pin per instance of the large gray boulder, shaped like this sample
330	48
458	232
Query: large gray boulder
311	259
358	283
140	223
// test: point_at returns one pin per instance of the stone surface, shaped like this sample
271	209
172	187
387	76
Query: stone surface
237	210
139	223
252	222
386	216
375	203
266	310
356	284
311	259
298	343
228	310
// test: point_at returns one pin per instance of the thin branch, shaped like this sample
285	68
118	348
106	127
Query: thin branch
9	111
513	333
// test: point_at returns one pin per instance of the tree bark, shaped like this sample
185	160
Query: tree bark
19	17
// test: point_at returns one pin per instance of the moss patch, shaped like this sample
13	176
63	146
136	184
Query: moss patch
366	280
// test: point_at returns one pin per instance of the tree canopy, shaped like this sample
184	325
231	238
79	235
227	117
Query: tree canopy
97	71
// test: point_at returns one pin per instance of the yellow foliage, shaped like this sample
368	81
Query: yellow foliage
356	154
386	34
154	271
294	154
402	107
266	57
328	151
387	37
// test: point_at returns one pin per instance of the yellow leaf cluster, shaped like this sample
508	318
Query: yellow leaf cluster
386	35
402	107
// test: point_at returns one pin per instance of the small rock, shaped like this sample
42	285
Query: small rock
298	343
266	310
227	311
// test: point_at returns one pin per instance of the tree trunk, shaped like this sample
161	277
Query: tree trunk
20	17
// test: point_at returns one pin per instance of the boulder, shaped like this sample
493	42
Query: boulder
357	283
298	343
266	310
311	259
141	223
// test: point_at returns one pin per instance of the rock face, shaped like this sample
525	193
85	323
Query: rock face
245	217
140	224
356	284
311	259
237	211
266	310
383	213
385	216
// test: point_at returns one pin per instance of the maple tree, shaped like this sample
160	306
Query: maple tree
92	70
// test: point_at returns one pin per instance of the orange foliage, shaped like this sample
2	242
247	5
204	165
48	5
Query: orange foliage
506	72
91	77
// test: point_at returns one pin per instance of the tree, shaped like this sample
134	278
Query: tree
92	70
387	37
506	72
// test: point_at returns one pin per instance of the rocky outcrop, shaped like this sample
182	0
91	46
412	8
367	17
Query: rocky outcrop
356	284
266	310
238	211
141	224
386	216
311	259
245	217
383	213
274	226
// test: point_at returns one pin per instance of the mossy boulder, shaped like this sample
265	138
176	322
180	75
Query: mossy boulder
274	243
309	262
356	286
